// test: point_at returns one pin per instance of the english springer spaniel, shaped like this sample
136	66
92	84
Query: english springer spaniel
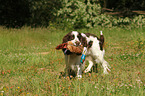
73	65
94	54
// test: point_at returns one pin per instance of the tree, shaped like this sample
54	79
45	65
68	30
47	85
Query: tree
14	13
125	7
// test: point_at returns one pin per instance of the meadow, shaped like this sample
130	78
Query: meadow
30	65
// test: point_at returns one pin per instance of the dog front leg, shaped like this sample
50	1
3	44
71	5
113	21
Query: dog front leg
79	71
67	65
89	67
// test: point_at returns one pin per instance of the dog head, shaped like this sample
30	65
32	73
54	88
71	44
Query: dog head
74	37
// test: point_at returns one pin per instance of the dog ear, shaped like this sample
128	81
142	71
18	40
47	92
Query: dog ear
90	44
83	41
66	37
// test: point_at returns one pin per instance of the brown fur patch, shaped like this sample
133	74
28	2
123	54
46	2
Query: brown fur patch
101	39
68	37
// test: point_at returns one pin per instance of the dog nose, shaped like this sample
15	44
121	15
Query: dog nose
77	43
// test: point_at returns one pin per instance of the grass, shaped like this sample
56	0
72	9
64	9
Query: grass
30	65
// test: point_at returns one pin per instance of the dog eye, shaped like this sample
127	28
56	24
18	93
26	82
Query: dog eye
72	37
79	37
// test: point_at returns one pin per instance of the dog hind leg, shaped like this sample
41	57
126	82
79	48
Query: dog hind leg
89	67
79	71
100	60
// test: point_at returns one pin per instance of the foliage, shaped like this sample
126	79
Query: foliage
27	12
135	22
42	11
66	14
80	14
125	7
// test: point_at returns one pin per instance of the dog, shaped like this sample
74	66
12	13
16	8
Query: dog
73	65
94	54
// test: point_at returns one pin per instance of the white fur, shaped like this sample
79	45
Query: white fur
95	55
73	60
75	33
73	63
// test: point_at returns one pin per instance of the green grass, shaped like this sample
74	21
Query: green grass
30	65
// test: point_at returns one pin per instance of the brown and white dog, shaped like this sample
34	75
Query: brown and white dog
94	54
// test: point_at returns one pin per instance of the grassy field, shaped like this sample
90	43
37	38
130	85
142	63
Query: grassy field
30	65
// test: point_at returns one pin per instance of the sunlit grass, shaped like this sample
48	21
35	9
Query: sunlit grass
30	65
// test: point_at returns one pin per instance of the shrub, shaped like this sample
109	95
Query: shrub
80	14
42	12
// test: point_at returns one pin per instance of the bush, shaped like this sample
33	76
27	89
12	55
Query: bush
42	12
65	13
81	14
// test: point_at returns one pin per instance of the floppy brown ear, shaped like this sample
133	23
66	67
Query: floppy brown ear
83	41
66	37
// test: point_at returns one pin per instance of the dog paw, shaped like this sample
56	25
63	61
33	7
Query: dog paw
106	71
87	70
79	76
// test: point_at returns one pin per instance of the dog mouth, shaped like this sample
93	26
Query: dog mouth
77	43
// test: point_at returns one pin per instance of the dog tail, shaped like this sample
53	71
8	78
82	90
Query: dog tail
101	40
101	37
